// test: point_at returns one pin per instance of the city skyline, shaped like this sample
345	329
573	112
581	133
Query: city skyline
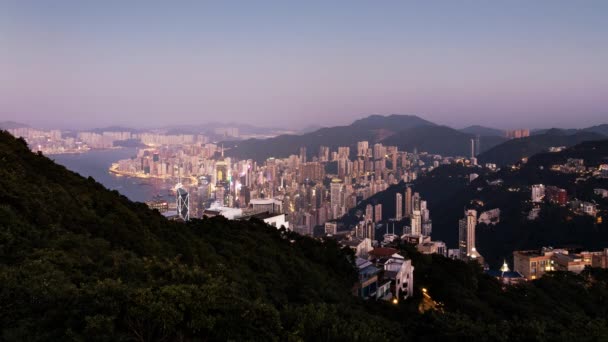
272	64
310	171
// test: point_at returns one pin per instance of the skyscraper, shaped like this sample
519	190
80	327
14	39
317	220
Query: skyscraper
472	148
362	147
398	207
336	197
369	213
377	213
416	223
323	153
408	202
416	202
370	231
303	154
466	235
477	145
183	202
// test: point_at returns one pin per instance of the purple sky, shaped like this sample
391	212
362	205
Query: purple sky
280	63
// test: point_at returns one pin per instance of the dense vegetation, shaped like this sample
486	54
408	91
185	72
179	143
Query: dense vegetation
79	262
441	140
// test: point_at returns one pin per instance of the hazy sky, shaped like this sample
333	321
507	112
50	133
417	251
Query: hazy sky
288	63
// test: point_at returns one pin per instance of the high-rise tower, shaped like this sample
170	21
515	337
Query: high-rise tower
416	223
398	207
466	235
183	202
408	202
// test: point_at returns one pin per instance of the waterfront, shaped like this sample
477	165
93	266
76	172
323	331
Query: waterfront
96	164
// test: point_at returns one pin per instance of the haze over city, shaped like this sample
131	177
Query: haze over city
75	64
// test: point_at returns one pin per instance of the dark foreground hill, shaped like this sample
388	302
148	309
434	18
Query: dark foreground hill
80	262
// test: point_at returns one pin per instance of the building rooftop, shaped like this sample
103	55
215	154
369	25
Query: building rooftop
170	213
383	252
261	216
261	201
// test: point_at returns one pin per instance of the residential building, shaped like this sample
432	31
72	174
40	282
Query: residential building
538	193
466	235
378	213
556	195
416	223
367	284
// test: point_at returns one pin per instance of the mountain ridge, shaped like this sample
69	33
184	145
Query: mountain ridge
514	150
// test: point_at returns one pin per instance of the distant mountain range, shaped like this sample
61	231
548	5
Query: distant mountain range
11	125
483	131
373	129
116	129
408	132
208	128
600	129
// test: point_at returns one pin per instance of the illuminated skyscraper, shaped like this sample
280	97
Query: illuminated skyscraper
416	223
183	202
336	197
538	193
466	235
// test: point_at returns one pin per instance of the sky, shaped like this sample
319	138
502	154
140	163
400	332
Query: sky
507	64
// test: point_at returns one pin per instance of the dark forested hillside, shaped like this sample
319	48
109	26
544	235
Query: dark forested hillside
80	262
439	140
448	192
514	150
77	260
481	130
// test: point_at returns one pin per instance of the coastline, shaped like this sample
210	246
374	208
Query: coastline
47	153
114	170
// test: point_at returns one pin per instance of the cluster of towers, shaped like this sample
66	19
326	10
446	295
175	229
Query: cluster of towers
416	210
